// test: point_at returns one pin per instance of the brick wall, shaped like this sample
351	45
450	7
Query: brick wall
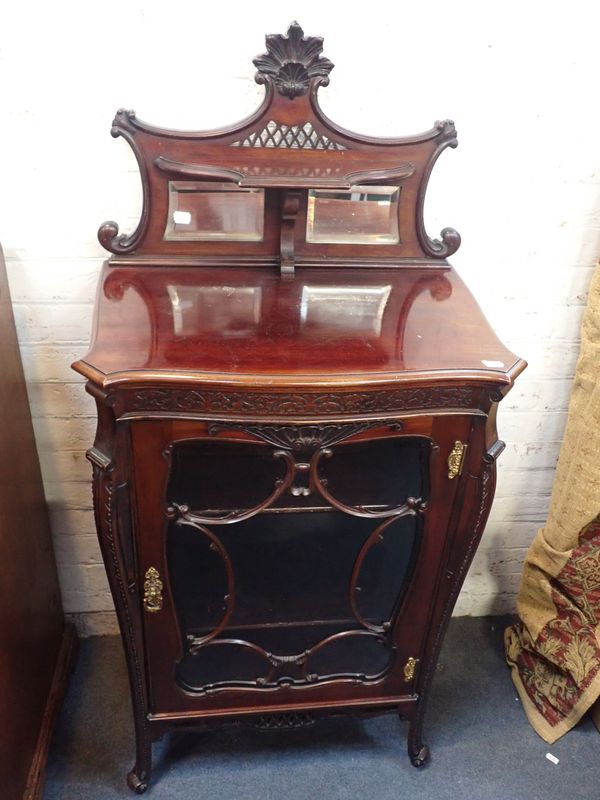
523	189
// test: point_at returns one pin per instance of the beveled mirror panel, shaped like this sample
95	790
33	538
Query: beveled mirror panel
362	215
201	211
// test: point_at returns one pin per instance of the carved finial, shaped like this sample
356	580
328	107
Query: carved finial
292	61
448	131
122	122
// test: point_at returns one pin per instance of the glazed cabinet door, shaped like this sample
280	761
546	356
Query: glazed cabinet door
285	563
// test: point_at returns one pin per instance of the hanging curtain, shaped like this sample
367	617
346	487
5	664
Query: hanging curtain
554	650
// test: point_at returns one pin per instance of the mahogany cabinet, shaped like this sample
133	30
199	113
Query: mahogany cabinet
37	646
296	393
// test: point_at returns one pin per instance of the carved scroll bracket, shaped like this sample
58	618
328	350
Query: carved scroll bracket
291	207
450	238
108	233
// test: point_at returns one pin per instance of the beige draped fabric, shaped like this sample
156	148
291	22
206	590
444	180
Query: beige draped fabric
554	651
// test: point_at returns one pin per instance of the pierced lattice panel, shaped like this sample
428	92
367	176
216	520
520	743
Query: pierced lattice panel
293	719
302	137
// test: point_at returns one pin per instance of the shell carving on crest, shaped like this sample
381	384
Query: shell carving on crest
292	61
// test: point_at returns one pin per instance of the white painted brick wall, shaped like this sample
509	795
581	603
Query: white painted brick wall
523	188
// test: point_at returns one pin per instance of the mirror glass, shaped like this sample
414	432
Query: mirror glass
362	215
202	211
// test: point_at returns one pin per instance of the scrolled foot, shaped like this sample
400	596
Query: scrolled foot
137	784
419	756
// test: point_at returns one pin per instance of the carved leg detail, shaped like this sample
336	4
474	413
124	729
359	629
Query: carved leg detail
104	487
139	777
417	751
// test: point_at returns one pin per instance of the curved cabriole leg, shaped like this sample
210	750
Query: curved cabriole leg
485	486
105	487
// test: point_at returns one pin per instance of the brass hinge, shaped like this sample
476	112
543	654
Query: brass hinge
456	459
153	587
410	669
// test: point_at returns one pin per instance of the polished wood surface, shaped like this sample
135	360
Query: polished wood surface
36	647
242	325
281	420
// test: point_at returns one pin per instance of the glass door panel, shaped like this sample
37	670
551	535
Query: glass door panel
300	589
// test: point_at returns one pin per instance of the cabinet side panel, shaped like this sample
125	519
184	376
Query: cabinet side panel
31	620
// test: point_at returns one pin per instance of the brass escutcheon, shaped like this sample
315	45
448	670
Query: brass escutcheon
409	669
455	459
153	587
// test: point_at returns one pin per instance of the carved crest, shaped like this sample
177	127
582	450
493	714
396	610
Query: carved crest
292	61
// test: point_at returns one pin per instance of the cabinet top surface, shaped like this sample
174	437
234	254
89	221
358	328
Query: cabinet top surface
249	325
